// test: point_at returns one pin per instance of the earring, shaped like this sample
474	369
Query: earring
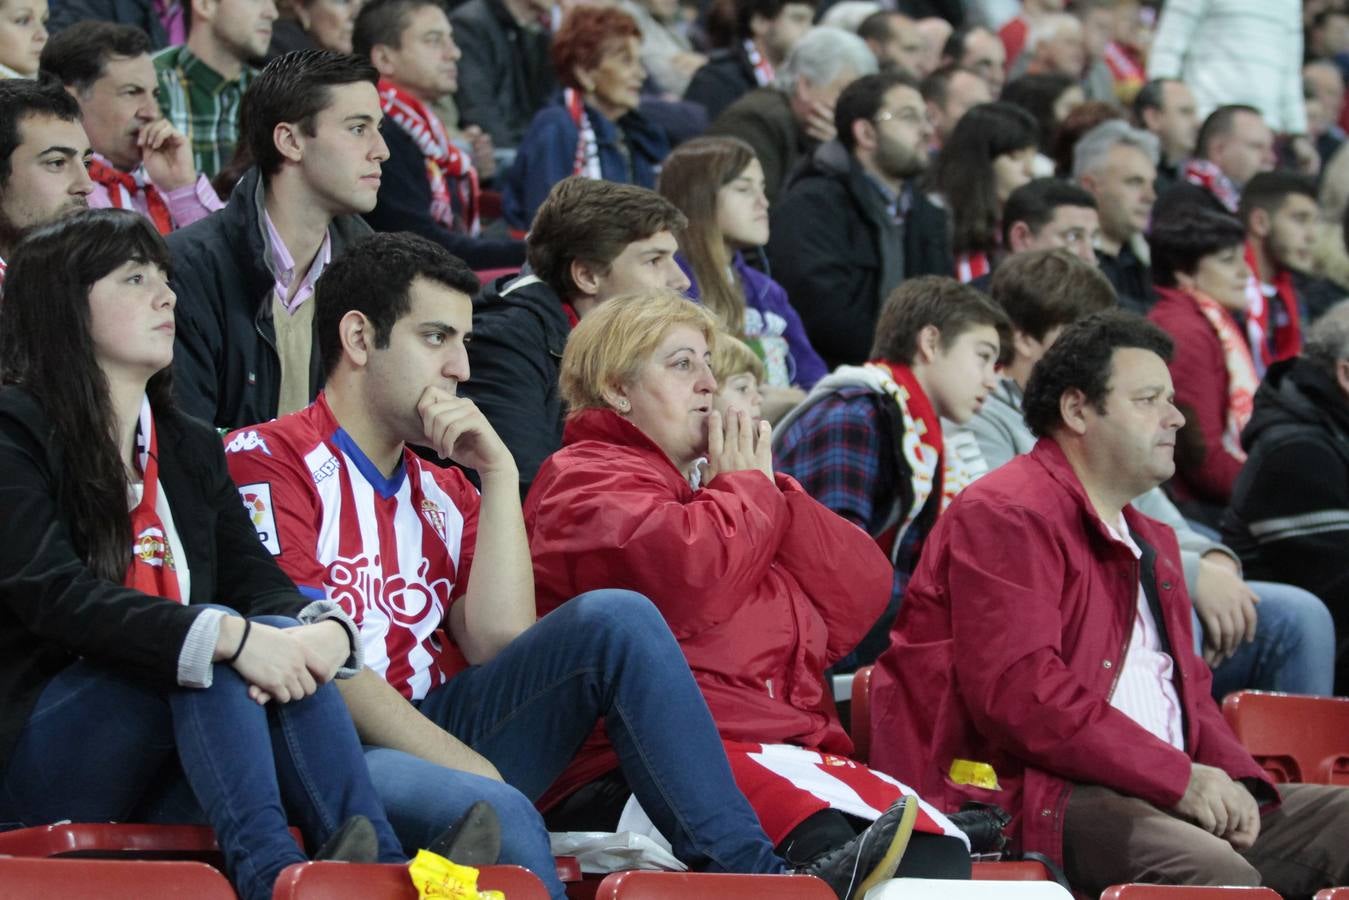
622	406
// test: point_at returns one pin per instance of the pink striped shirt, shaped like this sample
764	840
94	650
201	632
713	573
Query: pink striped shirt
1146	689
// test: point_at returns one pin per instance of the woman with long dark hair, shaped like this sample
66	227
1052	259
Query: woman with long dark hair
989	155
718	183
145	625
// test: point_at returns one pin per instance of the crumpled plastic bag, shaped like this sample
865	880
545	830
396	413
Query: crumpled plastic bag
436	878
601	852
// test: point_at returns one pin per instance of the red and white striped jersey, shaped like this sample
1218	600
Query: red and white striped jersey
393	552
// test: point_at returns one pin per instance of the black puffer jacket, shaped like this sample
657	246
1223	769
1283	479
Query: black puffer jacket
225	366
1289	516
519	332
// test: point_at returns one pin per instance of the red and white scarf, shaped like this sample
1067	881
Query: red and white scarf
1207	175
152	569
1241	378
586	162
970	266
123	187
764	73
446	165
1125	69
920	445
1287	334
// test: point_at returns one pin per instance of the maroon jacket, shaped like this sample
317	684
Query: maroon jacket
1205	471
1023	573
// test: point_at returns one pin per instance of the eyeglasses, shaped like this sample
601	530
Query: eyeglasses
907	116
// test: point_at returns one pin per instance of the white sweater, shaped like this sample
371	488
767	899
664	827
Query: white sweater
1235	51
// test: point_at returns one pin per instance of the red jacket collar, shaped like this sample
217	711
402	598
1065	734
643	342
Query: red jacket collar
1050	455
607	426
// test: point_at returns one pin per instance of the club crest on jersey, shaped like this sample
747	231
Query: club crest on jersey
152	548
435	517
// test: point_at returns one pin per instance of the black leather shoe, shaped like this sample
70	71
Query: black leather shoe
475	840
870	858
355	841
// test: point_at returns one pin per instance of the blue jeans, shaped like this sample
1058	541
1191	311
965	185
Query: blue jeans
96	742
609	655
421	798
1293	650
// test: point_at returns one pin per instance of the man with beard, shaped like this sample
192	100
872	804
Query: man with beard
43	151
869	227
202	82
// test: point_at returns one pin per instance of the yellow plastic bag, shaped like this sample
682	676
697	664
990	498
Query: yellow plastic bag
436	878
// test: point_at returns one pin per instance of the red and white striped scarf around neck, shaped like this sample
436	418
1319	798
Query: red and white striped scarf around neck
587	159
764	73
1241	378
446	165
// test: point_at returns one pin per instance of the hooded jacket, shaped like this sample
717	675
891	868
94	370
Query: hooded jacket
828	250
1006	652
226	369
1289	518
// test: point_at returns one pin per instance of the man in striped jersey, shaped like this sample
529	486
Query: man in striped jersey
438	578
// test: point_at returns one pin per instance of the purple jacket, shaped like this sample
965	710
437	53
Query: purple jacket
772	327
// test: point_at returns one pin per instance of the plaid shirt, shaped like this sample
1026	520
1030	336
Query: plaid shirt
834	450
202	104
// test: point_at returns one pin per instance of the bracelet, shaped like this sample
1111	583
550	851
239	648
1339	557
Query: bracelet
248	624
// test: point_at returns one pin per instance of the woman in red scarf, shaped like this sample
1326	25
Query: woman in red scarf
1199	269
143	631
764	588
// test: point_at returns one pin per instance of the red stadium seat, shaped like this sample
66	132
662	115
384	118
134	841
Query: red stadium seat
1336	893
342	881
27	878
1173	892
860	711
1295	739
686	885
1022	870
487	276
101	839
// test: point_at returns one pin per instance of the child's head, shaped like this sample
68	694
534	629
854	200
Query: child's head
739	372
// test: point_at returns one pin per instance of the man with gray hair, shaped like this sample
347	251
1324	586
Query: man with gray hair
1289	517
786	122
1117	163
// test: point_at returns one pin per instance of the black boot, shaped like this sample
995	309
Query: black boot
870	858
475	840
355	841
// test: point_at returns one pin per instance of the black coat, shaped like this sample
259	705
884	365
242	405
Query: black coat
763	119
405	205
140	13
505	75
519	332
825	249
723	79
57	610
1289	515
225	365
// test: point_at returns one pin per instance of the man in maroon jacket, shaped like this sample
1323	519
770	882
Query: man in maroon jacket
1041	658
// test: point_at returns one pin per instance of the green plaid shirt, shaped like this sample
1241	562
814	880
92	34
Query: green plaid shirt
202	104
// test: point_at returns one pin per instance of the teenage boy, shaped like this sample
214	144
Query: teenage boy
141	161
245	349
591	240
438	577
867	441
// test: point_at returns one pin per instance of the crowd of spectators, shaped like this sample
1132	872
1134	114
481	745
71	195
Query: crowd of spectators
708	349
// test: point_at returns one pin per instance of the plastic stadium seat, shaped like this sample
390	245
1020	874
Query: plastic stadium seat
1297	739
343	881
1336	893
860	712
1178	892
487	276
106	840
27	878
1021	870
687	885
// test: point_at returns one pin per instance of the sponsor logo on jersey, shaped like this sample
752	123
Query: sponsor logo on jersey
359	585
247	440
257	498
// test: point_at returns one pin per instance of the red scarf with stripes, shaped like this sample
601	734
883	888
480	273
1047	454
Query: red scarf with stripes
447	167
123	186
152	569
1287	335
